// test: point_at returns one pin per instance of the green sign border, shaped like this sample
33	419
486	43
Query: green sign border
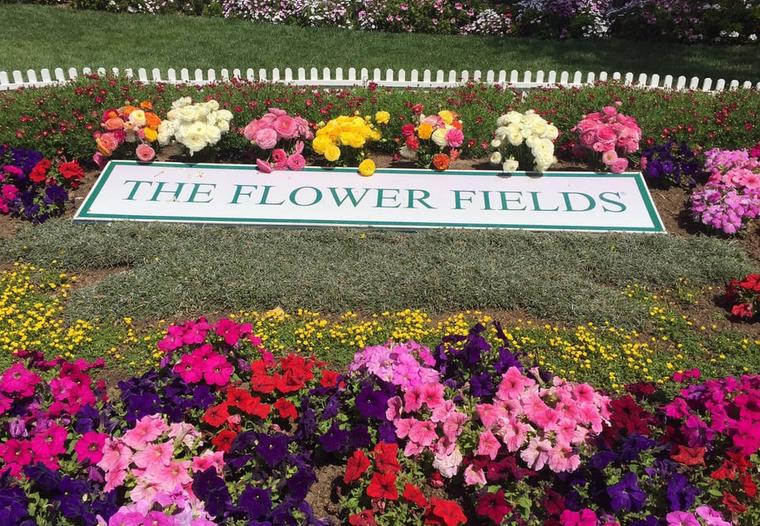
84	214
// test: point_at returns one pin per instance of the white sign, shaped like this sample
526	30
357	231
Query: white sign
392	198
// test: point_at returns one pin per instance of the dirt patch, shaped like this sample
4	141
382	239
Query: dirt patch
9	227
321	497
86	278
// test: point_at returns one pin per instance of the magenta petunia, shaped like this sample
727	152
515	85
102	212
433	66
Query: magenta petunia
89	448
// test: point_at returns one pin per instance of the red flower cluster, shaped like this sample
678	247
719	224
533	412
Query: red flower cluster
382	487
743	297
289	374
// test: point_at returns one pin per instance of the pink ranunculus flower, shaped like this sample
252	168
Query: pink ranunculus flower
455	137
277	112
145	152
279	156
619	165
263	166
296	161
249	132
609	157
286	127
265	138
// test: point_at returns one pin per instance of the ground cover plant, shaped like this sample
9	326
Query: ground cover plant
48	37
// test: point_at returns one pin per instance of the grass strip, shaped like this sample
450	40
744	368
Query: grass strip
181	270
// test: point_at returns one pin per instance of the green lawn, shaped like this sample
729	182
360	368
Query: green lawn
46	37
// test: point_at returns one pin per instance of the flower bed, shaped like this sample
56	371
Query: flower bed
224	432
723	21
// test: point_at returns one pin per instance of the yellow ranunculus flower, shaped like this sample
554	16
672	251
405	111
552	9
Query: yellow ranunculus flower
367	167
357	141
150	134
382	117
320	144
447	116
425	131
332	153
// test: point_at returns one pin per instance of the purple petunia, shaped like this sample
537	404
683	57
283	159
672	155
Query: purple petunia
626	495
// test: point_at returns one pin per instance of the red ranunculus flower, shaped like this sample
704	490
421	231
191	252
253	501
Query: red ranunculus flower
286	409
383	486
223	441
356	466
386	458
444	512
216	415
414	495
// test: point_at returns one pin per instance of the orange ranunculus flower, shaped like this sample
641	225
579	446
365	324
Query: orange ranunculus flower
126	110
441	161
114	123
152	120
457	124
109	114
106	144
424	131
146	105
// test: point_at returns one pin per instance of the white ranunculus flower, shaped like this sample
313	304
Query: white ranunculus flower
501	132
502	121
538	127
182	102
194	142
496	143
439	137
213	134
514	136
188	114
224	115
213	105
495	158
407	153
551	132
542	147
531	141
510	165
224	126
512	117
137	117
172	115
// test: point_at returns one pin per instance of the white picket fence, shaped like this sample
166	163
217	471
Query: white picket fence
338	77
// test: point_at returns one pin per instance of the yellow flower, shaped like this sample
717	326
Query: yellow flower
382	117
332	153
150	134
320	144
367	167
425	131
447	116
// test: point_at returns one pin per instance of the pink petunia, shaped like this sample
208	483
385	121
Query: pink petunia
217	371
209	459
512	385
563	459
154	454
17	379
488	445
536	454
189	368
474	476
146	430
51	441
423	432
